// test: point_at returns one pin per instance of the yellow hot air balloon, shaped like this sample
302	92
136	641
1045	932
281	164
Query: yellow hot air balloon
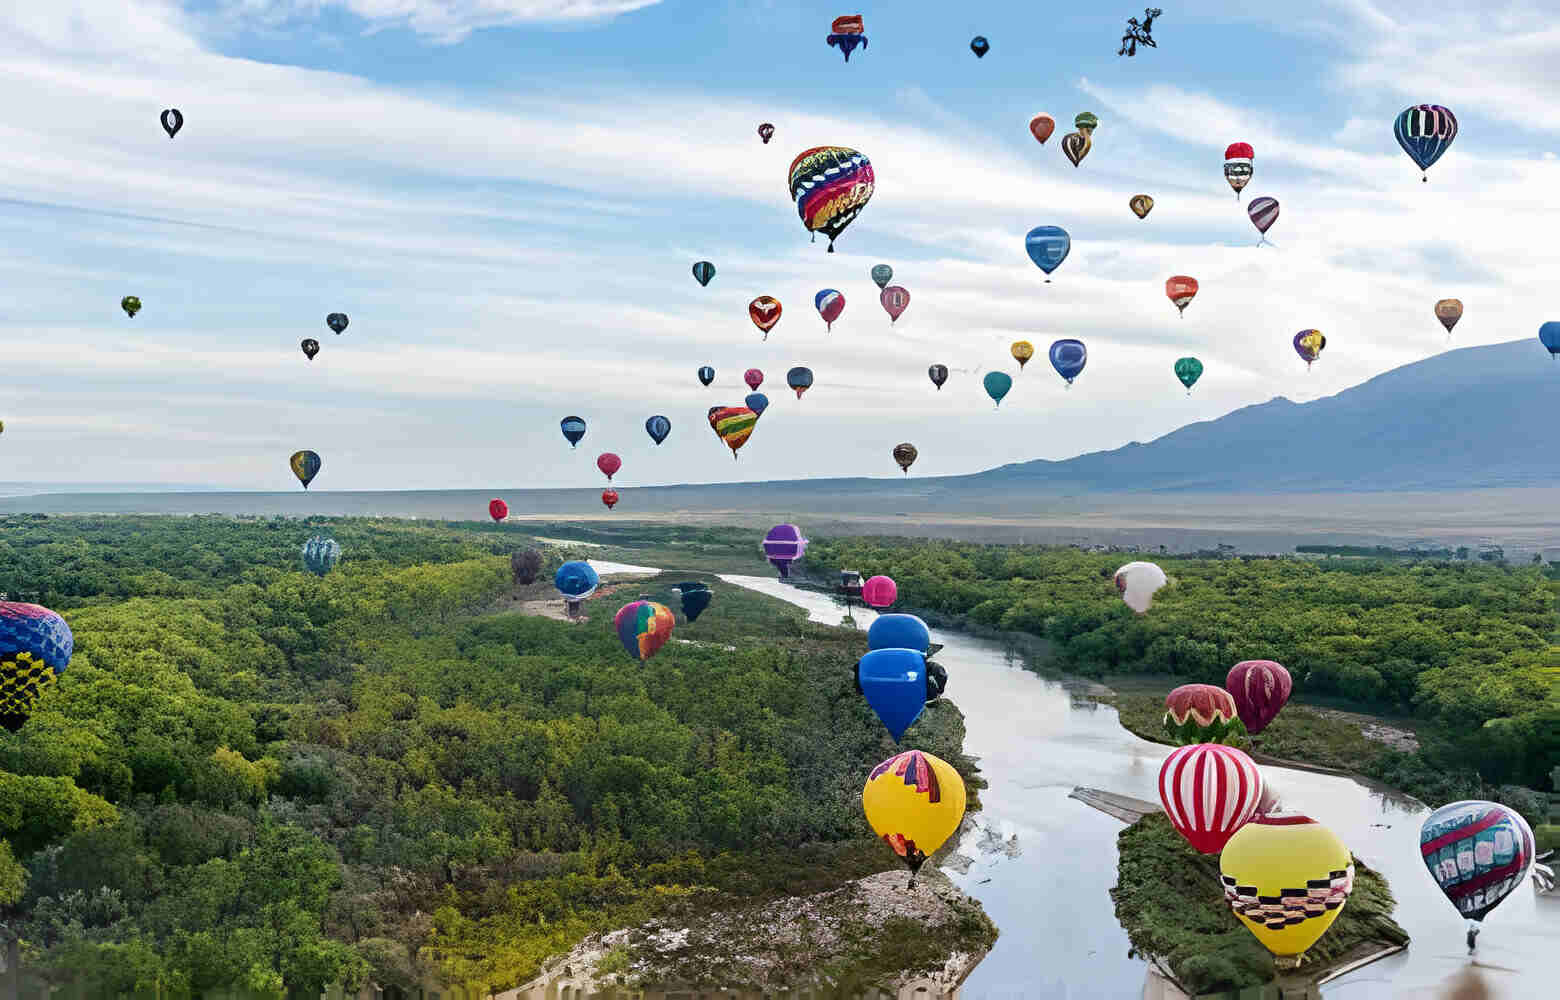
1022	350
915	802
1287	878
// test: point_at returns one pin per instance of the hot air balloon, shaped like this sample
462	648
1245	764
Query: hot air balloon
1237	165
1286	877
1048	246
172	121
703	272
847	34
733	425
1180	290
783	546
497	509
1208	792
1449	311
980	46
915	802
1425	131
2	426
766	132
882	274
695	597
1478	853
1201	713
608	463
799	379
1309	344
35	648
576	581
899	632
131	305
1086	122
764	311
1188	370
879	592
1137	582
850	587
904	455
757	402
337	322
643	628
997	385
320	555
706	374
1260	688
1075	146
573	429
1263	213
658	427
1041	126
895	301
310	346
305	465
830	185
525	565
894	683
829	303
1022	351
1141	205
938	374
753	377
1549	336
609	498
1068	358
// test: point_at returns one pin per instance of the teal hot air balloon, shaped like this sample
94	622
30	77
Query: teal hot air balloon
882	274
1048	246
997	385
703	271
320	555
1188	370
573	429
658	427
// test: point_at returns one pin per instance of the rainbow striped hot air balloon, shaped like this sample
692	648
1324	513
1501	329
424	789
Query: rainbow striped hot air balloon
733	425
643	628
830	185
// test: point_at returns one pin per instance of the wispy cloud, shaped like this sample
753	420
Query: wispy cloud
441	21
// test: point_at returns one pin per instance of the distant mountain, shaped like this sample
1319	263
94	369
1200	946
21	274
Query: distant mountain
1469	418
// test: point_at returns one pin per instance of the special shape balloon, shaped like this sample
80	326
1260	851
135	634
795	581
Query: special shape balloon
1180	290
1022	351
1137	583
643	628
172	121
904	456
658	427
799	379
1068	358
879	592
35	648
1201	713
131	305
1425	131
1048	246
1263	212
915	802
310	346
830	185
733	425
1141	205
1041	126
1208	792
757	402
882	274
706	374
938	374
497	509
997	385
1478	853
1237	165
846	34
320	555
305	465
1449	311
1075	146
1286	877
337	322
764	311
1308	344
782	546
829	303
573	429
608	463
703	271
894	683
895	301
1188	370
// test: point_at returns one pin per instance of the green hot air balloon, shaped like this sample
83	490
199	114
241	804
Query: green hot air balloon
131	305
1188	370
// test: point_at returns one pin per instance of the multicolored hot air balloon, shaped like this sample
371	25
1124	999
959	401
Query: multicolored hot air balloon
757	402
1263	213
320	555
766	132
1549	336
1478	853
1137	583
1286	877
894	683
573	429
1309	344
1237	165
1048	246
830	185
576	581
1449	311
1425	131
1141	205
799	379
847	33
733	425
997	385
706	374
609	498
899	631
695	598
764	311
131	305
310	346
172	121
879	592
703	271
783	546
895	301
643	628
305	465
1180	290
1260	688
35	648
905	455
497	509
915	802
938	374
337	322
753	377
1022	351
1075	146
1188	370
1041	126
1201	713
1209	791
1068	357
882	274
980	46
829	303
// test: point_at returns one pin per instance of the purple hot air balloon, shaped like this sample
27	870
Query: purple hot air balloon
1260	688
783	546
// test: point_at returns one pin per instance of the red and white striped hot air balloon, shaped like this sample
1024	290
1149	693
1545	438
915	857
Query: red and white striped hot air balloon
1209	791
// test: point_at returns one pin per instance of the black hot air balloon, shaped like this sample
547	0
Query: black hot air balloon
799	379
695	598
706	374
311	347
573	429
980	46
337	321
131	305
525	565
172	121
938	374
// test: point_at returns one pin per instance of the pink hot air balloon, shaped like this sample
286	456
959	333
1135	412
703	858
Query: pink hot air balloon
1209	791
895	301
1260	689
609	463
879	592
754	378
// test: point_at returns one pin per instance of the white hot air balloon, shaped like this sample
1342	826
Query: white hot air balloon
1137	582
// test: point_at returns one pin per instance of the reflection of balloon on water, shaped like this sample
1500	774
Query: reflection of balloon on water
337	322
757	402
1068	358
706	374
1137	582
1309	344
882	274
643	628
830	185
609	498
766	132
1260	688
846	34
1425	131
1048	246
997	385
1286	877
703	271
894	683
131	305
938	374
915	802
1075	146
573	429
1022	351
1188	370
799	379
904	456
753	377
658	427
1141	205
895	301
899	631
764	311
35	648
576	581
1041	126
1180	290
980	46
733	425
310	346
305	465
320	555
1237	165
608	463
879	592
1478	853
525	565
172	121
783	546
1208	792
1449	311
497	509
1201	713
695	598
829	303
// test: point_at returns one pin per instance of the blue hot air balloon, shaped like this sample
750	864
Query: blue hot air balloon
1549	336
1068	358
783	546
576	581
695	598
1048	246
757	402
320	555
997	385
35	648
573	429
1425	131
894	684
899	632
658	427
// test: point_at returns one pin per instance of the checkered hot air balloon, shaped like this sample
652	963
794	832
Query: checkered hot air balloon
1286	877
35	648
1209	791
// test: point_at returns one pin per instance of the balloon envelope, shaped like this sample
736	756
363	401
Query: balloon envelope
172	121
830	186
337	322
757	402
882	274
784	545
658	427
35	648
609	498
608	463
879	591
1068	358
573	429
1180	290
915	802
497	509
733	425
131	305
765	311
1041	126
1478	853
799	379
695	598
980	46
1549	336
899	632
997	385
1308	344
895	301
894	684
1188	370
1022	351
706	374
1263	212
1237	165
1137	582
1048	246
525	565
703	271
643	628
1286	877
1141	205
1201	713
310	346
1208	792
576	580
1425	131
305	465
829	303
1260	688
1449	311
766	132
1075	146
938	374
753	377
905	455
320	555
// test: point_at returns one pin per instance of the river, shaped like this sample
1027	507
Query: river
1048	891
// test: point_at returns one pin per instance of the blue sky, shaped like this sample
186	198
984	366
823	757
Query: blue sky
506	197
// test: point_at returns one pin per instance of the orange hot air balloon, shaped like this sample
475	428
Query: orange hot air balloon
1022	351
1449	311
764	311
610	498
1181	290
1041	126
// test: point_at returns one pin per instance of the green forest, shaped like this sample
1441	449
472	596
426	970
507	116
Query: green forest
254	778
1464	649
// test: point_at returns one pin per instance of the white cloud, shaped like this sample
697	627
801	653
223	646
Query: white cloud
443	21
